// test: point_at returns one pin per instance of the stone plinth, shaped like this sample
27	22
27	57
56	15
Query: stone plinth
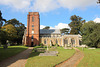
91	48
49	53
67	47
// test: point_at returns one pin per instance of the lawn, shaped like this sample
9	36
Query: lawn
49	61
10	51
91	58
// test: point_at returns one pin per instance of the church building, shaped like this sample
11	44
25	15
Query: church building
33	35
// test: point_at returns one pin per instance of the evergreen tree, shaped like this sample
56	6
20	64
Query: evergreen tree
76	24
47	27
2	33
1	20
64	31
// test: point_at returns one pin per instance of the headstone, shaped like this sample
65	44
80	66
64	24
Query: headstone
8	44
84	46
49	53
91	48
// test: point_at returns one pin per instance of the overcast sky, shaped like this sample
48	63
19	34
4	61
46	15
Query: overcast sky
53	13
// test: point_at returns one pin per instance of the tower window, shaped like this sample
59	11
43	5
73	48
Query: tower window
32	37
32	19
32	25
32	29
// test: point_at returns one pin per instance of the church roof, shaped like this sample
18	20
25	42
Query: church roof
50	31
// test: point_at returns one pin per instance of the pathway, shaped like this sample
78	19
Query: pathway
18	60
73	61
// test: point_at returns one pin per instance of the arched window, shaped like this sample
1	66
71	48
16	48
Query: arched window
80	42
32	37
66	41
32	29
56	41
32	19
32	25
73	41
44	41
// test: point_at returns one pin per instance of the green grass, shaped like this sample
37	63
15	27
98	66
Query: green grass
91	58
10	51
49	61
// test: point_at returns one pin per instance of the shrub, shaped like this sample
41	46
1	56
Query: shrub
41	44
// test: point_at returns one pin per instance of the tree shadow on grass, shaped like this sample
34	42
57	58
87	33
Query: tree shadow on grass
33	54
9	52
19	56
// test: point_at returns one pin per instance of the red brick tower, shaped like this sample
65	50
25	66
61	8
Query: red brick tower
33	26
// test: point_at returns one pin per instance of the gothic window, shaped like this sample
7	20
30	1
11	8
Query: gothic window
80	42
73	41
66	41
32	37
44	41
32	19
56	41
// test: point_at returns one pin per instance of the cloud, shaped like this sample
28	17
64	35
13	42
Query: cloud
42	26
47	5
59	26
72	4
97	20
16	4
62	25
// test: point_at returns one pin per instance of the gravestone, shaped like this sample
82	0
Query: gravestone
91	48
67	47
49	53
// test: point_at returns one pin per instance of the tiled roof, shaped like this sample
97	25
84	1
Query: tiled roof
50	31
